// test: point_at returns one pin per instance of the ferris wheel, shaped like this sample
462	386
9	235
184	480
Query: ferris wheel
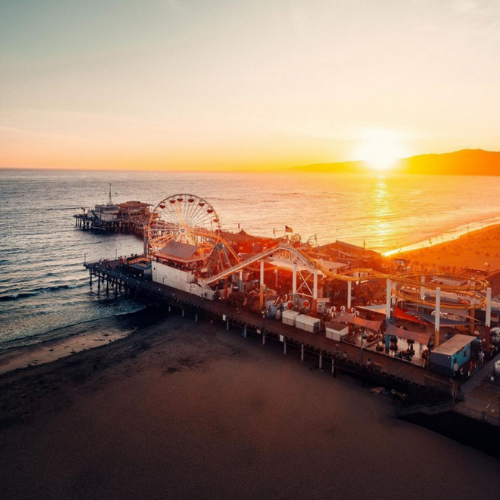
184	218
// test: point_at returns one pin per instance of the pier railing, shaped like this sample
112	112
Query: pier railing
479	414
427	409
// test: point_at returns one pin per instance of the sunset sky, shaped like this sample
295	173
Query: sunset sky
225	84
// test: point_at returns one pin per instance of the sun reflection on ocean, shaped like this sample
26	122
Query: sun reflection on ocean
382	211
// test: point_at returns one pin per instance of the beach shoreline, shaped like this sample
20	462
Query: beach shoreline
447	236
75	338
474	252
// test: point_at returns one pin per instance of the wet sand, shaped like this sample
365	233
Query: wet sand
188	410
46	352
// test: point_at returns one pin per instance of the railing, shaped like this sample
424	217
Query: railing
478	415
427	409
475	367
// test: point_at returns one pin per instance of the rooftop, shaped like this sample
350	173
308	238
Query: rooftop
453	345
179	251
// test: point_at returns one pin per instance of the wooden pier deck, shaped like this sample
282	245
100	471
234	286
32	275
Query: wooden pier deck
386	371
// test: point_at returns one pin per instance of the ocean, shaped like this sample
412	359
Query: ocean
44	287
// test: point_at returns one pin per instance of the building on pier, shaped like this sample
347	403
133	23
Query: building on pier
348	254
129	217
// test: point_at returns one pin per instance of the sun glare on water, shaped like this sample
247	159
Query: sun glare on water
381	149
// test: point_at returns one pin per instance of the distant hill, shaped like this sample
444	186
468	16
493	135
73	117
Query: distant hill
464	162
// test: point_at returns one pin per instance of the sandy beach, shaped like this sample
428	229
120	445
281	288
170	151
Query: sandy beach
477	250
190	410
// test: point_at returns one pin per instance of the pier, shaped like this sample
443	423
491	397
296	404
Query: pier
407	382
246	283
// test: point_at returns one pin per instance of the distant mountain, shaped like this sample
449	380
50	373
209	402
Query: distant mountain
464	162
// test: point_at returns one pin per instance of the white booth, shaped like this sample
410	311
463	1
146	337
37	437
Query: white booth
336	331
307	323
288	317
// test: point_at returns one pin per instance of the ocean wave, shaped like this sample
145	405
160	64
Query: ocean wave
39	291
48	209
56	288
16	296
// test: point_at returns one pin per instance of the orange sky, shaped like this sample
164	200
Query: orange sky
186	84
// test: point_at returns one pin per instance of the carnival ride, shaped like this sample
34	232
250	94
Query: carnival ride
189	220
456	292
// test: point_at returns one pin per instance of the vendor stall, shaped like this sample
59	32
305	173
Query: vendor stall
288	317
451	355
336	331
307	323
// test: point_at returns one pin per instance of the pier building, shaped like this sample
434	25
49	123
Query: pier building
129	217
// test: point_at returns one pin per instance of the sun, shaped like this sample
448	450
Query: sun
381	148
